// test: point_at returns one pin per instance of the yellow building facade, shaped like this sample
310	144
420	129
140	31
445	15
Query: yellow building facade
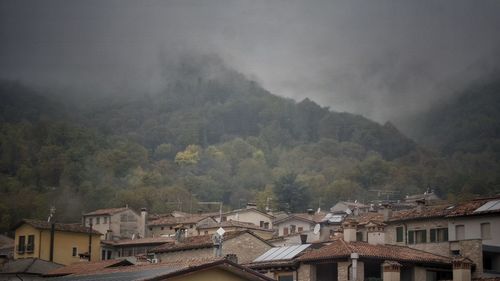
32	240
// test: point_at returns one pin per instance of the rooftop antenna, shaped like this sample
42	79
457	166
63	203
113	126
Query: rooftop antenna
51	214
217	239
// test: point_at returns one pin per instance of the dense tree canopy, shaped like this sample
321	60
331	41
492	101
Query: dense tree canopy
216	136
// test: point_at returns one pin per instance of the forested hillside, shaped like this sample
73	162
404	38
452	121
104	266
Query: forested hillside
211	134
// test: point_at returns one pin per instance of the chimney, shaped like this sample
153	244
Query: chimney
376	233
391	271
310	211
387	211
420	205
251	205
143	223
462	269
350	227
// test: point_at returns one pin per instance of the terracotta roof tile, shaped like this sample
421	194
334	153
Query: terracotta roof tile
109	211
248	210
468	208
69	227
316	218
365	218
237	224
424	212
341	249
196	242
176	220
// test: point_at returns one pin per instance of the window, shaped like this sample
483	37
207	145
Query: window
300	229
30	248
417	236
74	252
150	229
438	235
97	220
161	228
455	253
103	255
206	232
285	231
399	234
459	232
22	245
266	225
109	255
261	224
190	226
105	220
359	236
90	221
292	228
224	219
485	231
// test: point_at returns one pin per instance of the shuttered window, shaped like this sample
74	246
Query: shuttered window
399	234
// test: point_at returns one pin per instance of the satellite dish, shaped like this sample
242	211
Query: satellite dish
316	228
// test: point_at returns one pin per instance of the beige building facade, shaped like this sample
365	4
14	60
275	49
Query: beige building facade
33	240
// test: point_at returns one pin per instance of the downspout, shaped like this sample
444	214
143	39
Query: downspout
52	232
90	242
40	244
405	233
354	258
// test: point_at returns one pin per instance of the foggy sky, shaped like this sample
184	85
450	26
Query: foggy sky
382	59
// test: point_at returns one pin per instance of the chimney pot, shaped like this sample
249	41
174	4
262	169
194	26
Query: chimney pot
350	227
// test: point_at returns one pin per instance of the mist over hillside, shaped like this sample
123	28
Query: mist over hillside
211	134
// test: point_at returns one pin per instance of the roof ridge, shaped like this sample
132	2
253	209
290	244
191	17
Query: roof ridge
346	246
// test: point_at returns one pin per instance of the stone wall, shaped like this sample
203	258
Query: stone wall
246	247
186	255
343	270
306	272
472	249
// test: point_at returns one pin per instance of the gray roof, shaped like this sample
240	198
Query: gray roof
30	266
120	276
